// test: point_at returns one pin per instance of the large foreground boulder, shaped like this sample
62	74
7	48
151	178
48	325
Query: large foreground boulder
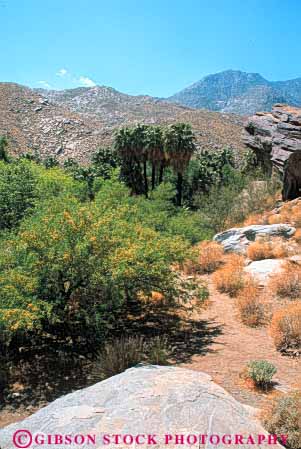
147	400
238	239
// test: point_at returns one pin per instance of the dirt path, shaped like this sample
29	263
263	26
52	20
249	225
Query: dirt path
235	346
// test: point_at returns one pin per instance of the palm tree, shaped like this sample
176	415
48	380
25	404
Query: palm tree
154	143
140	150
3	153
179	146
129	147
129	170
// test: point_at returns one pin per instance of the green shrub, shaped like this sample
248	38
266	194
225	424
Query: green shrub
261	372
104	161
17	192
205	170
231	201
284	418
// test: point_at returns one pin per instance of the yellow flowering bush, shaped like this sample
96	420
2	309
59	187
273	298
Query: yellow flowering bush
72	264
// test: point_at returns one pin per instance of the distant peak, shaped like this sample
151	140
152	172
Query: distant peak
236	73
238	92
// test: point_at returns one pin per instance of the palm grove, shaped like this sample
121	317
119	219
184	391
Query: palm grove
160	147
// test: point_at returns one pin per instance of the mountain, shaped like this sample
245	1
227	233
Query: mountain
75	122
239	92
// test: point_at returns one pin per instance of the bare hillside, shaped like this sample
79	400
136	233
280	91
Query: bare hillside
74	123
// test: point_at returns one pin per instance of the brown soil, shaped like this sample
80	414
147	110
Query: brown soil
235	346
8	417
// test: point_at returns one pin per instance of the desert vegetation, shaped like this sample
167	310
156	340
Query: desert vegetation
250	304
288	283
230	278
285	328
261	372
91	255
283	417
267	248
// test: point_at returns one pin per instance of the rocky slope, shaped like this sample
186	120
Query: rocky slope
74	123
239	92
149	400
276	139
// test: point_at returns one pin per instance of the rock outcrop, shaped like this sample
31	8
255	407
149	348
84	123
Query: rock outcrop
145	400
276	139
238	239
262	270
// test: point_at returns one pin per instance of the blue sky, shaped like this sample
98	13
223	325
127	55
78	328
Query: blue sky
155	47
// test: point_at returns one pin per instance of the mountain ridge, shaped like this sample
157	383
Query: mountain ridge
235	91
75	123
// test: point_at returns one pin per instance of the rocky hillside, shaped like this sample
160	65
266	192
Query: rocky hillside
239	92
73	123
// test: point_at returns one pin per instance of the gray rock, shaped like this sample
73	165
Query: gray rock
261	270
59	150
296	259
43	101
276	139
237	239
144	400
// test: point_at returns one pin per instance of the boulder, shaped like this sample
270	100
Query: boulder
148	400
276	139
262	270
237	239
295	259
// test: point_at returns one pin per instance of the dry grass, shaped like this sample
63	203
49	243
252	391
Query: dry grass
275	219
210	256
283	417
250	305
230	278
289	213
255	219
259	250
297	236
268	249
287	284
125	352
280	249
295	215
285	327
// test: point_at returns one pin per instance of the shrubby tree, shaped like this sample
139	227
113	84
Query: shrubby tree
17	193
231	200
72	264
50	162
23	184
104	162
205	170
